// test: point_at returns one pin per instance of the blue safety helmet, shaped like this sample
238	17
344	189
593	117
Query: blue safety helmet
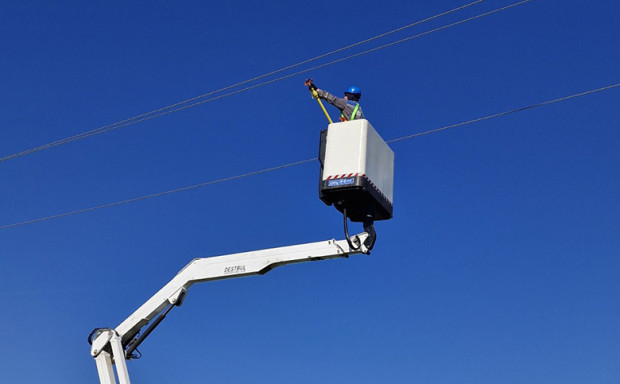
354	90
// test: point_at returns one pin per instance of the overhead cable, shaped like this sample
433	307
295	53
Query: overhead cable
521	109
324	64
488	117
159	194
192	102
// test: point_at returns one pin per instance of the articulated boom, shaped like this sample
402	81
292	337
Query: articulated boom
115	346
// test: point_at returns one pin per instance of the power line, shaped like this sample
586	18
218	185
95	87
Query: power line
521	109
266	170
159	194
188	102
322	65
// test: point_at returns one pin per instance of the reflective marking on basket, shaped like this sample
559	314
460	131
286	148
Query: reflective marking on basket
344	175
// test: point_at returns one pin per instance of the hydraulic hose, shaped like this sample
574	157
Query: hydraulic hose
346	232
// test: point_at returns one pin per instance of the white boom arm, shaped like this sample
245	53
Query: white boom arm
108	345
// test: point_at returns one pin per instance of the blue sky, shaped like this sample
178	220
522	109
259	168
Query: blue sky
499	266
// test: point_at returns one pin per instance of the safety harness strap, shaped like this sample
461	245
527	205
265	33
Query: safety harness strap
357	107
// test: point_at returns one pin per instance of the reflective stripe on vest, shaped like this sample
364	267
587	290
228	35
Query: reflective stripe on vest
357	107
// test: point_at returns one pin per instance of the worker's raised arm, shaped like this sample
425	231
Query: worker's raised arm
337	102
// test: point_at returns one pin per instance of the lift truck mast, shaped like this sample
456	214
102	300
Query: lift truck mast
356	177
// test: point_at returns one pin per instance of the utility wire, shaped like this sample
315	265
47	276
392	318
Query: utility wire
488	117
136	199
319	66
184	104
521	109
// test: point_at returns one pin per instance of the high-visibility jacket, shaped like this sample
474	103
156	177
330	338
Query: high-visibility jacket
349	109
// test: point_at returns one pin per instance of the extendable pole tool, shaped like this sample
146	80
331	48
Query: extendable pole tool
315	94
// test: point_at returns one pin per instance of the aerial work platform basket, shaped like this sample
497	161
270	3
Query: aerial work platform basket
357	171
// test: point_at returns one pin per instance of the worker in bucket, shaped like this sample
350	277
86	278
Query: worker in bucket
349	105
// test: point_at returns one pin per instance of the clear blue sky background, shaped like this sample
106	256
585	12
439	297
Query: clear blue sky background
501	263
